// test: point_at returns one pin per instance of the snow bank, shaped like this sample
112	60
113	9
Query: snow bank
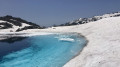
36	33
5	35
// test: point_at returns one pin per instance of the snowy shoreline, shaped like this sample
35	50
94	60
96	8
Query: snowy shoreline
4	35
102	49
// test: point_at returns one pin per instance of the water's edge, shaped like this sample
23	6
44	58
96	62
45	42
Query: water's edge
79	34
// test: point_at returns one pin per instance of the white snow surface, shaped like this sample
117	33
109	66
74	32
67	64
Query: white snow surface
103	48
24	34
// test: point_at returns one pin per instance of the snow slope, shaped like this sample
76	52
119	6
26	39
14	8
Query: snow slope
103	48
15	24
92	19
14	27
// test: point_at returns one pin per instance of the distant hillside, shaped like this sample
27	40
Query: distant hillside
86	20
16	24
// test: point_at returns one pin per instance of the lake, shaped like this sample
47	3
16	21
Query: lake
52	50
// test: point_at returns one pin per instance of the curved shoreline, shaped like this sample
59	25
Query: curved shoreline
79	34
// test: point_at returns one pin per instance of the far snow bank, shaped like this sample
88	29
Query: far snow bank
6	35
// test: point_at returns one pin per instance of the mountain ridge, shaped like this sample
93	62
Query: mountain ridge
18	24
92	19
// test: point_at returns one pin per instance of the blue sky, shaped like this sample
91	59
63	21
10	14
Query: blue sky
49	12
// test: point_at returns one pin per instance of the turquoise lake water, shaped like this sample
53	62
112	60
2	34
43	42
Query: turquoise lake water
40	51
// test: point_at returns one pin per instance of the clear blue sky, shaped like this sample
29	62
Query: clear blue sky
49	12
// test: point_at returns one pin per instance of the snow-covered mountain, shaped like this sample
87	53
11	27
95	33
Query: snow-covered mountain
14	24
94	18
